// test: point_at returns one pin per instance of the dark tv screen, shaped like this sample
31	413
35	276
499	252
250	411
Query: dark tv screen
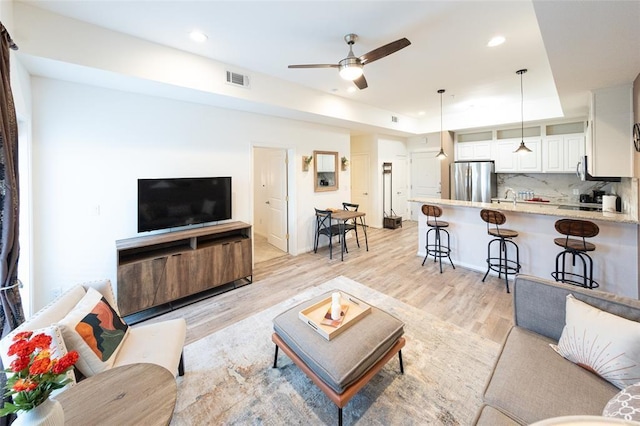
174	202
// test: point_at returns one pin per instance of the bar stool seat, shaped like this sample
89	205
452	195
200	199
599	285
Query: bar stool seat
578	249
501	264
436	226
572	244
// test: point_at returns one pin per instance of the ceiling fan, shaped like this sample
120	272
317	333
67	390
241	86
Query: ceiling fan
350	68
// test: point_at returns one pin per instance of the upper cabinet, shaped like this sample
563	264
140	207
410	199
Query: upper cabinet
507	161
609	145
469	151
561	153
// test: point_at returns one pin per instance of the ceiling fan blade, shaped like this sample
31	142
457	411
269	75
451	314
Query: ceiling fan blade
315	66
385	50
361	82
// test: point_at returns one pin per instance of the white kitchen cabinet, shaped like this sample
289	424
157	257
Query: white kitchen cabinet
561	153
609	146
507	161
469	151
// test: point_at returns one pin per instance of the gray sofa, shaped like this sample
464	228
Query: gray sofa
530	382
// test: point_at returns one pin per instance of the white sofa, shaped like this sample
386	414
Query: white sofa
159	343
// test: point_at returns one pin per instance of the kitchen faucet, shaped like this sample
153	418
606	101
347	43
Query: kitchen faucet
515	198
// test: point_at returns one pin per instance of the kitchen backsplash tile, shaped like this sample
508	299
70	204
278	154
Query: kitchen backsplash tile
560	187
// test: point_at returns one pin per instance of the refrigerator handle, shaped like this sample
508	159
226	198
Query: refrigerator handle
468	185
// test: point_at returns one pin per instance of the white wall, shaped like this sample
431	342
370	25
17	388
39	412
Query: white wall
91	144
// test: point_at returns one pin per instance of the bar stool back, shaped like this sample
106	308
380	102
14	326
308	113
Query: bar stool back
436	249
503	237
577	248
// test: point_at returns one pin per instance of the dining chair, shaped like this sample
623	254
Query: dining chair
351	224
325	227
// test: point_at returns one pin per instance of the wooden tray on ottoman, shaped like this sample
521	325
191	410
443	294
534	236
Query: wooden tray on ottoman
314	315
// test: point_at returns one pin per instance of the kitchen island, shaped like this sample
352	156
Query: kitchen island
615	260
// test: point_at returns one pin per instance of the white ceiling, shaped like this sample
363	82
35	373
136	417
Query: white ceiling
569	47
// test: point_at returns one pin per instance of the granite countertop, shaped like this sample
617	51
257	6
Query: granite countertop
549	209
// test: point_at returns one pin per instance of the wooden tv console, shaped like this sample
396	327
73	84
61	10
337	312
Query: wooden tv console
158	269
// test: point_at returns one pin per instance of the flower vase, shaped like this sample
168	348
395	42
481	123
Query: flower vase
49	413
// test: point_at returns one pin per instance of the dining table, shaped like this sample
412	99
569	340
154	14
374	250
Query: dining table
342	217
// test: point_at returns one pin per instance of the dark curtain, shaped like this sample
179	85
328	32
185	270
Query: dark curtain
11	314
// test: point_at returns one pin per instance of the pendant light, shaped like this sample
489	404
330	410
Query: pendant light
441	155
522	149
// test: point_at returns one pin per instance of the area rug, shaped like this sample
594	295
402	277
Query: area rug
229	377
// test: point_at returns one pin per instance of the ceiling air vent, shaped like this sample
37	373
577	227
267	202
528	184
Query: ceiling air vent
394	119
237	79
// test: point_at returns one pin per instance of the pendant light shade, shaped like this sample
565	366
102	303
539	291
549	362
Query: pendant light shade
441	155
522	149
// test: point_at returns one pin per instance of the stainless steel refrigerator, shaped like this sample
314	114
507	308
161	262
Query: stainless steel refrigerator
473	181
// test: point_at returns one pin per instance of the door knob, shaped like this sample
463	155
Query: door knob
365	193
266	202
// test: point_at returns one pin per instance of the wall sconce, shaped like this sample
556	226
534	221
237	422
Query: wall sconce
306	160
344	163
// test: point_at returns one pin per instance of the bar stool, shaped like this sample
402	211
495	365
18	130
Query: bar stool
437	250
577	248
504	237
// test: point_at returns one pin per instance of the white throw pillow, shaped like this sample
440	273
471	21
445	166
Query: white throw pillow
603	343
96	331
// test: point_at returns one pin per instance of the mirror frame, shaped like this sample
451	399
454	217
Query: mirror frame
316	183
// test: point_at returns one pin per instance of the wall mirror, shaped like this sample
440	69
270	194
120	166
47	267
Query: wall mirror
326	169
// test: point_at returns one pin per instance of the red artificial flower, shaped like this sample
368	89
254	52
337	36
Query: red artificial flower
23	335
24	385
20	348
41	365
20	363
41	341
65	362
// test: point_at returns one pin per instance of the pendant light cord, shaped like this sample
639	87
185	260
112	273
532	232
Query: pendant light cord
441	155
441	91
521	108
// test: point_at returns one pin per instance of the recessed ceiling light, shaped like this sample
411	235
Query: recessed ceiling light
198	36
351	89
496	41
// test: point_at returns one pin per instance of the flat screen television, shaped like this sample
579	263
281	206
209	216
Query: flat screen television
175	202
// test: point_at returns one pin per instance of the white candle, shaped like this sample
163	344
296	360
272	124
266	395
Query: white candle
336	306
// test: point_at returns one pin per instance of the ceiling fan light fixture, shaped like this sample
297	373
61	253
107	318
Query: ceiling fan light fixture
350	69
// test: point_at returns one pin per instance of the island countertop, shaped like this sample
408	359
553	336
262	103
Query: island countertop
615	259
534	207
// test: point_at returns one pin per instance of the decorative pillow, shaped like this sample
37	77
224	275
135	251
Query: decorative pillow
625	405
94	329
58	349
603	343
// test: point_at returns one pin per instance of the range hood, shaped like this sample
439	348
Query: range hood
583	174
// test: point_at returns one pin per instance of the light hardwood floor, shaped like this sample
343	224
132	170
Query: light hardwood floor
391	266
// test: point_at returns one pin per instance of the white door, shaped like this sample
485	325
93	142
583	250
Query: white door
425	178
360	178
277	198
400	187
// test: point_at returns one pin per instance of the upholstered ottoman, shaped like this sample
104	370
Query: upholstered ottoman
340	367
